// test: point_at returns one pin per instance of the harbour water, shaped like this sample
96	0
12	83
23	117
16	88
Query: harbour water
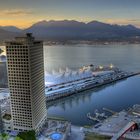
117	96
126	57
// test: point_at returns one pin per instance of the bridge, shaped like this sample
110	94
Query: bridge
130	126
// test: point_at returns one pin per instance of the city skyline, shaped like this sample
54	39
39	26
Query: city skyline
24	13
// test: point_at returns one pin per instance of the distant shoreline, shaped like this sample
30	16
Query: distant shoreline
88	43
51	43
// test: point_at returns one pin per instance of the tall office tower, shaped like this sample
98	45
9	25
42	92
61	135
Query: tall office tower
26	83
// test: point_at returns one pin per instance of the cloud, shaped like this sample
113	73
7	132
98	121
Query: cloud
18	22
16	12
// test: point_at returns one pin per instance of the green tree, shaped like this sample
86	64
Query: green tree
29	135
18	138
4	136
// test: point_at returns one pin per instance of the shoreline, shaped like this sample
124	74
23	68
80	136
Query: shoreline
49	43
91	43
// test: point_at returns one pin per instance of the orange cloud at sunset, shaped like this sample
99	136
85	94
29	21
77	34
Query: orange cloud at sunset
15	12
23	13
19	23
21	18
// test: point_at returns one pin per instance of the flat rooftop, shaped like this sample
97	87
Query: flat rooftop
114	123
119	122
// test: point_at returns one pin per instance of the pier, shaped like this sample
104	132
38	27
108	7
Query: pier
93	118
85	84
99	117
109	110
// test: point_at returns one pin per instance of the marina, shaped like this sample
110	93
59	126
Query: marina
124	124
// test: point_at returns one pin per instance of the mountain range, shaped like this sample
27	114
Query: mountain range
72	30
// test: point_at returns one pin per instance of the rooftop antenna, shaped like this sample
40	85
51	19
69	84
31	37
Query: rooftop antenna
29	34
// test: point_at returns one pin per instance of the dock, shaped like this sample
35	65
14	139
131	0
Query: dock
92	118
109	110
87	84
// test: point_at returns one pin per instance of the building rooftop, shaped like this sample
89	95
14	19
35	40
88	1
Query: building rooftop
117	124
23	40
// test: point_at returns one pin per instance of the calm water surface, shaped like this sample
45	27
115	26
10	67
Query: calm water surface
126	57
116	96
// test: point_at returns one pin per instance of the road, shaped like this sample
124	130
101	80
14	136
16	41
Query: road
76	133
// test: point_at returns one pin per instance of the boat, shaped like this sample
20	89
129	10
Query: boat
92	118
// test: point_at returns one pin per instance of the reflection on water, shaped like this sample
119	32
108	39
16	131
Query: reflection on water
79	97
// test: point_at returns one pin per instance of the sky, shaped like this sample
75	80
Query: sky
24	13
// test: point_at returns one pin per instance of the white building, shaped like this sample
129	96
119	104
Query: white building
26	83
66	76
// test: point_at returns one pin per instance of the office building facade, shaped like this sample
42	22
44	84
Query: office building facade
25	66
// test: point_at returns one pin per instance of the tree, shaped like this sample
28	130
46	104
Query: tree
29	135
4	136
18	138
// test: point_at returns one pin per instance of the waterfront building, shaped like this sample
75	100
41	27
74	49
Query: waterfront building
25	65
66	76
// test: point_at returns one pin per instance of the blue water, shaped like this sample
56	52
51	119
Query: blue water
116	96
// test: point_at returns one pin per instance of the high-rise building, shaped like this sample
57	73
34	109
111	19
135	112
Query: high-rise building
25	66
